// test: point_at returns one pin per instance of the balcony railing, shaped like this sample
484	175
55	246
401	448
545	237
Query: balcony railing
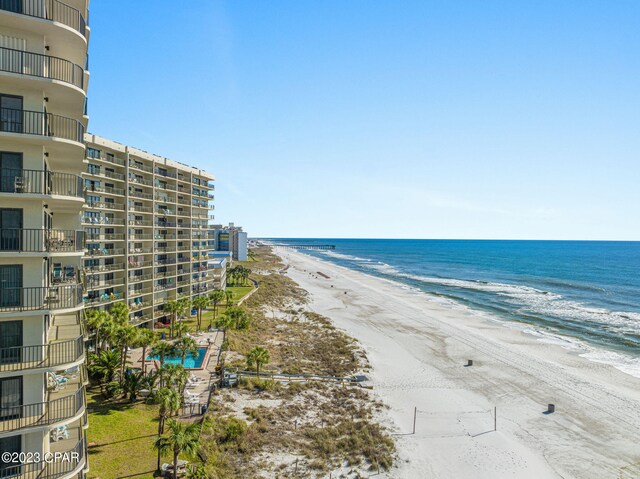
93	237
40	182
41	414
42	66
53	10
72	461
41	356
40	298
103	268
105	204
41	241
102	156
40	123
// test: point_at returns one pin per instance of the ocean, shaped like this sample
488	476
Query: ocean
582	295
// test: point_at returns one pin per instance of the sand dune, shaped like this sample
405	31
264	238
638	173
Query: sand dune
418	346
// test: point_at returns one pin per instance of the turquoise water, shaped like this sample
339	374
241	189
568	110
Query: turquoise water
584	295
190	362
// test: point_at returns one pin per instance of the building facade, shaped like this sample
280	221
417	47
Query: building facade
232	239
146	223
43	85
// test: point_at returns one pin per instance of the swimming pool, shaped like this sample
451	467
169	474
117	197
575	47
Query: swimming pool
190	362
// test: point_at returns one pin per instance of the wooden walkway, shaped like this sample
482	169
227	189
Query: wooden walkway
305	246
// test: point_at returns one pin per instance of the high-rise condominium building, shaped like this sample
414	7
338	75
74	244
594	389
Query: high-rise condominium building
146	224
232	239
43	85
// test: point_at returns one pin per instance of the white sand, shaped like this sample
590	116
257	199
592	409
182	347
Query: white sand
418	346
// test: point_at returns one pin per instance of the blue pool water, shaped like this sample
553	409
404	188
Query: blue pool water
584	295
191	361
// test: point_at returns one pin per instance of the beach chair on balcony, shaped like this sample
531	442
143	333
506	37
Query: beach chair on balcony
56	275
21	184
58	433
69	274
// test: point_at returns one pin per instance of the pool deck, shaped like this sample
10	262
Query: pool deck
205	375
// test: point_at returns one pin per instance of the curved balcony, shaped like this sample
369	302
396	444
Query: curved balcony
26	122
41	241
37	298
41	66
52	469
42	356
40	182
47	413
53	10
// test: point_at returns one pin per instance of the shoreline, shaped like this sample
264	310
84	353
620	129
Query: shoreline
418	345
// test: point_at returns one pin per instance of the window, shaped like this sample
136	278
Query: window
10	285
93	169
10	342
10	170
93	153
11	229
11	113
11	444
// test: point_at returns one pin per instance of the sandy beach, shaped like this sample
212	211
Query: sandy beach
418	346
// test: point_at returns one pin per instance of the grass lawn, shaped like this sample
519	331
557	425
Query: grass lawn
120	438
239	292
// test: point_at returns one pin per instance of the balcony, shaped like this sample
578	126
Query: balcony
43	356
98	237
52	10
41	241
101	156
104	189
41	66
104	268
27	122
40	182
42	414
100	252
106	174
140	166
139	278
105	205
60	469
102	221
40	298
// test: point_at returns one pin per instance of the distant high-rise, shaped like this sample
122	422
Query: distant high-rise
232	239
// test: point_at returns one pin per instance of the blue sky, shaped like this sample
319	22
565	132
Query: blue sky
385	119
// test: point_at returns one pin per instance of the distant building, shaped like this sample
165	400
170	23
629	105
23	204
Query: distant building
230	238
218	270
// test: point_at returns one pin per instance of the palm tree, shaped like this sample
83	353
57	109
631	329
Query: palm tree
163	349
120	313
228	294
224	322
184	346
146	339
96	319
104	366
183	438
240	318
216	297
161	444
172	307
133	382
258	356
174	376
200	303
125	337
180	329
169	400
